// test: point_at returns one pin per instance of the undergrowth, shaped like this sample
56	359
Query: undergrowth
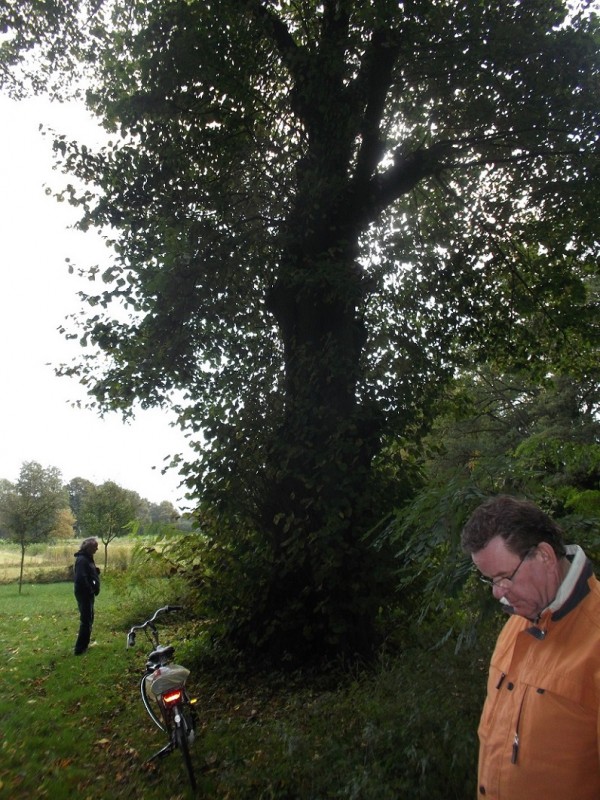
404	727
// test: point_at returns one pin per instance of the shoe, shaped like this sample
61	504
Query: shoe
79	652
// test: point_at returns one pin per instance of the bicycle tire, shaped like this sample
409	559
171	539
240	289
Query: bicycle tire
182	727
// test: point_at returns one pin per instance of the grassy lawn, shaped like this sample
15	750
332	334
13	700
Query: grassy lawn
71	726
74	726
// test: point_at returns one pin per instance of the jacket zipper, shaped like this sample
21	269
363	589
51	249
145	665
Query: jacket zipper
515	747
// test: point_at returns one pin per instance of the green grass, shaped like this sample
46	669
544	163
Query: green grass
71	726
74	726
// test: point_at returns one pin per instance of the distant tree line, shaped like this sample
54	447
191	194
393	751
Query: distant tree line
39	507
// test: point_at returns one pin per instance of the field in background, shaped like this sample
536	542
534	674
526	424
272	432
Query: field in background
55	561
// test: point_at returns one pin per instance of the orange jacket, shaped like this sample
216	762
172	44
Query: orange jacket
540	727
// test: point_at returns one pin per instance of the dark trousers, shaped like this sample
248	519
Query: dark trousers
85	603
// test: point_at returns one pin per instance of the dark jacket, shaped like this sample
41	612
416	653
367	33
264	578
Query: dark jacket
86	575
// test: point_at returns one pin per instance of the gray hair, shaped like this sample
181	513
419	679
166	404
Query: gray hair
87	543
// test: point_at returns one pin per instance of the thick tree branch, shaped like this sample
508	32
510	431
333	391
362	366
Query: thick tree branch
336	20
277	32
408	170
294	57
371	89
405	173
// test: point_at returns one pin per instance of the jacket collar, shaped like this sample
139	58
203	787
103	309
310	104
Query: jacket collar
575	585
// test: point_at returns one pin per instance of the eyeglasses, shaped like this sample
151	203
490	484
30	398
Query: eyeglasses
502	582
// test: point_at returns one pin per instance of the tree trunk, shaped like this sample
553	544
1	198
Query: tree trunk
320	594
22	567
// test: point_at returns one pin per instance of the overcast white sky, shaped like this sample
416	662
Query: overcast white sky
37	421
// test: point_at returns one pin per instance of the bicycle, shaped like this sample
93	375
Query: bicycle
165	681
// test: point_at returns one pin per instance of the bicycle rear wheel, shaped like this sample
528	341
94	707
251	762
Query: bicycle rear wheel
184	730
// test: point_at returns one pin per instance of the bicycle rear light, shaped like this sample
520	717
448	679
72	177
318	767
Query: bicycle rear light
172	697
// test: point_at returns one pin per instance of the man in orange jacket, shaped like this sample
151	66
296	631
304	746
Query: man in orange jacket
540	728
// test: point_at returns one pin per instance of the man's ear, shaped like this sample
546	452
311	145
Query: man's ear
547	554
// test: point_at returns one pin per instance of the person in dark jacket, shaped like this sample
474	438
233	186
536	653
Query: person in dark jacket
87	588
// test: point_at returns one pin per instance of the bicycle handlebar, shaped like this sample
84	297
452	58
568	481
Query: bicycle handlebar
149	623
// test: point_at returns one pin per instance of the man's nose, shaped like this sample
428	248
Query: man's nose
498	591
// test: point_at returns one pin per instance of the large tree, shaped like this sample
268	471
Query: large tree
314	207
30	509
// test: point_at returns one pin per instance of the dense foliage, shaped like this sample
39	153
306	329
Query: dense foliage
497	433
318	210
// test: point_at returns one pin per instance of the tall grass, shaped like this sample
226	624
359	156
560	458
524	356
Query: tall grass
74	727
54	561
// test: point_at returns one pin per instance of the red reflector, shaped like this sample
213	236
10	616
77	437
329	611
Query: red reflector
169	698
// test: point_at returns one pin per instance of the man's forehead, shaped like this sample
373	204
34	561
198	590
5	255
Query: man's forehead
495	554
